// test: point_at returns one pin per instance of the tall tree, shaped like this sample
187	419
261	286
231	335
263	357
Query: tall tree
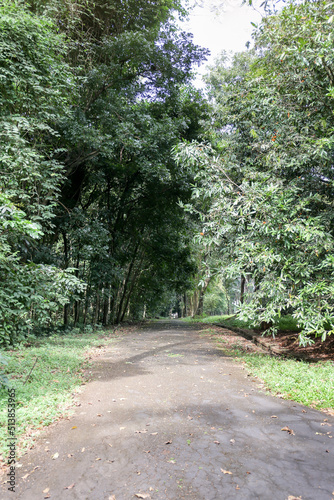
269	170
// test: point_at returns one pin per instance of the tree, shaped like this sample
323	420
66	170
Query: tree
118	211
33	94
267	174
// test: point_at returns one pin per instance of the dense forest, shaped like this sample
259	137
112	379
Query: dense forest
126	192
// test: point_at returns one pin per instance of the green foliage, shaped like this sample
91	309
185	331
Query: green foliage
264	183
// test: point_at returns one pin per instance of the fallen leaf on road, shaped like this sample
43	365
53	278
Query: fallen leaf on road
148	451
289	431
46	490
153	433
273	416
217	442
112	497
96	459
99	415
56	455
226	471
110	445
121	428
74	427
26	475
232	441
142	495
70	455
168	442
291	497
69	487
82	450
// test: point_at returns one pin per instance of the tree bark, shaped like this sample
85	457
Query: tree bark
242	289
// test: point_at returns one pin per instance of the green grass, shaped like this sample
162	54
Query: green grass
311	384
49	391
206	319
286	323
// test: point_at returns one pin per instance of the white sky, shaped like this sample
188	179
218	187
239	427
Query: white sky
230	30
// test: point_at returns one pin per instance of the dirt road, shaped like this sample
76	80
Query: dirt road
168	416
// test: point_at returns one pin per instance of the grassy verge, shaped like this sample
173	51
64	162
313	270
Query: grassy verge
286	323
311	384
48	392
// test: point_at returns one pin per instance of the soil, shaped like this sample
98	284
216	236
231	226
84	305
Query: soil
286	343
318	351
167	416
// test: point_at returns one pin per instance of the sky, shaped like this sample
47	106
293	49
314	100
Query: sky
230	30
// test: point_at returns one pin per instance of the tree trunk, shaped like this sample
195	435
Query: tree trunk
97	308
106	309
120	315
242	289
185	313
66	308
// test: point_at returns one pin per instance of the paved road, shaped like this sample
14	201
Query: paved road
167	415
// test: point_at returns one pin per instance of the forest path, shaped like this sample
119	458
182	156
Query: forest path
169	416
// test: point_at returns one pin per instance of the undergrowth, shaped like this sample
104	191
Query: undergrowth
44	394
